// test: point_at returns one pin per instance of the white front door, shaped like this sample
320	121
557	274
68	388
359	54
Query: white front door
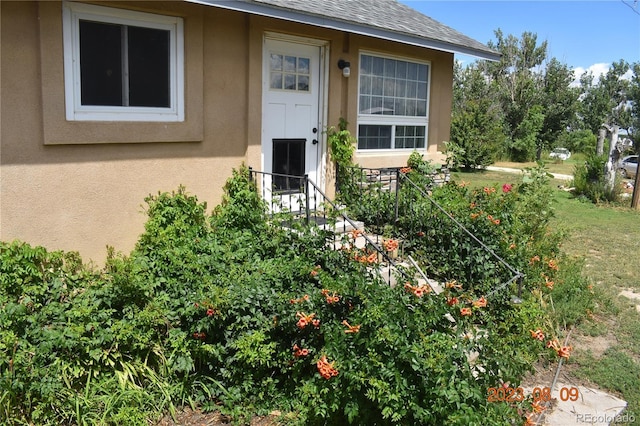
291	127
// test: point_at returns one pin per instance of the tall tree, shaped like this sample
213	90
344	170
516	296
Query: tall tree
633	97
605	104
603	101
476	125
559	101
634	130
516	77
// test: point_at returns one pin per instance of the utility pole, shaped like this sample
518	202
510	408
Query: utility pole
635	199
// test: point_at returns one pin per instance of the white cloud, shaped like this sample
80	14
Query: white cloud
627	75
597	70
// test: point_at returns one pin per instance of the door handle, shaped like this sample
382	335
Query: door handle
315	141
315	130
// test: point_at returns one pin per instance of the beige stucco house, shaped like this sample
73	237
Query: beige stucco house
104	103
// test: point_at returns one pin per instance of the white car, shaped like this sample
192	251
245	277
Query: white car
560	153
628	166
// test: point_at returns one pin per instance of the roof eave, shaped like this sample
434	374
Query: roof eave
335	24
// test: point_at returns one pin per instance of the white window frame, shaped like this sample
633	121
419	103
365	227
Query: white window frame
394	120
75	111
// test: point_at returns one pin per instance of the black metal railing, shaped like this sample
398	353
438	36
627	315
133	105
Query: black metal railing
306	202
388	197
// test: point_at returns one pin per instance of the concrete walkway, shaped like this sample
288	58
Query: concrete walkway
591	406
511	170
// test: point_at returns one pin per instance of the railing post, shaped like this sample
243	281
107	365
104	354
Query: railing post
338	178
397	194
250	174
306	196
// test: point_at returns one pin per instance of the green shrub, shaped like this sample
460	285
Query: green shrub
578	141
476	135
589	180
234	312
511	221
341	148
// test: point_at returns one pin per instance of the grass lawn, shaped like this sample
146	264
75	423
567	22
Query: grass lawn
554	166
608	239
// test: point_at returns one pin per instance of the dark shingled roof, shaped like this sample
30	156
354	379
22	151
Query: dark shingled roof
386	19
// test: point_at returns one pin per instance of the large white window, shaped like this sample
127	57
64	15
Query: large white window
392	103
122	65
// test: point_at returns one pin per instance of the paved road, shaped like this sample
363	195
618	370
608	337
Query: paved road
510	170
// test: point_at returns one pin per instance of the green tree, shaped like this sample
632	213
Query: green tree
517	80
578	141
604	101
634	99
605	104
560	102
634	130
476	125
526	136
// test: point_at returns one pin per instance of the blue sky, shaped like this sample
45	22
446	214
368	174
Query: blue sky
586	35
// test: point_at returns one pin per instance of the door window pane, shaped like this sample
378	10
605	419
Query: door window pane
289	73
276	62
303	65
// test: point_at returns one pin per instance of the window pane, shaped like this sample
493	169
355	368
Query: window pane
365	85
401	70
389	68
374	137
303	83
290	81
388	106
276	80
376	105
421	110
412	71
412	89
365	104
400	107
303	65
377	67
411	107
100	68
149	83
422	91
403	84
276	62
409	137
422	72
377	85
290	63
365	65
389	87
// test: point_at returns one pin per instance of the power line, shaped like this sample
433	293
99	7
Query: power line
634	7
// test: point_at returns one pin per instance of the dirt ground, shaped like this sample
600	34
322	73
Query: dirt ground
189	417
